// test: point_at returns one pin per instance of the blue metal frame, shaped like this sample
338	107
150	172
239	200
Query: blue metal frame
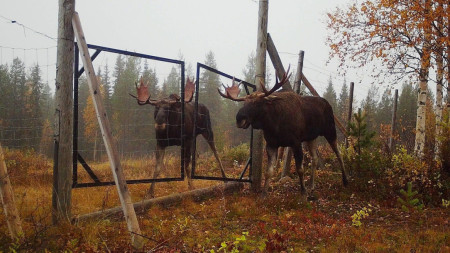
249	161
78	158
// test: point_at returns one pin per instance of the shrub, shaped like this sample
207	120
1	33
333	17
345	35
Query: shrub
238	153
25	166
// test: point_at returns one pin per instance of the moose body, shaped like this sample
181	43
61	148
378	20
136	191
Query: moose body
168	125
287	119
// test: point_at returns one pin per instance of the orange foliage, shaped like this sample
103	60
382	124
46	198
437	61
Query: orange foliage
391	31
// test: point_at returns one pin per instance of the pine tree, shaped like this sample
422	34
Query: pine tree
250	68
406	114
172	83
33	110
330	95
343	100
6	96
208	95
369	105
384	110
149	77
359	130
106	81
17	114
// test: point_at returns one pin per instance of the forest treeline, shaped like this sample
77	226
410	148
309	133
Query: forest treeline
27	108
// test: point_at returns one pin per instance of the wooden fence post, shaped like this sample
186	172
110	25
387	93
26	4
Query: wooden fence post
298	80
110	145
394	118
261	47
350	111
7	198
62	192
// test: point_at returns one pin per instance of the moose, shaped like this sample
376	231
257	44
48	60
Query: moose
167	117
287	119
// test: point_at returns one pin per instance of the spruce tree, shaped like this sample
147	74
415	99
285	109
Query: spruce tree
172	83
343	100
369	106
384	110
330	95
406	114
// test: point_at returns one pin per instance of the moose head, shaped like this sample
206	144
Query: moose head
166	109
252	112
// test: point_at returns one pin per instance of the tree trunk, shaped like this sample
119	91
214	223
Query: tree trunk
439	107
7	199
260	77
64	112
419	143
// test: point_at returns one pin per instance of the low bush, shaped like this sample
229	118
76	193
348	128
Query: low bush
26	166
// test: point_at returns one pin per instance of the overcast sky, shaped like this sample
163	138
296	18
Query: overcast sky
170	28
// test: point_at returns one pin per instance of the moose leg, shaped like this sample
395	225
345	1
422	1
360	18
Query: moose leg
187	162
272	153
298	156
160	151
312	149
209	137
334	146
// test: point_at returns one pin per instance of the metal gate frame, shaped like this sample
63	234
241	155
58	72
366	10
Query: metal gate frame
249	161
76	156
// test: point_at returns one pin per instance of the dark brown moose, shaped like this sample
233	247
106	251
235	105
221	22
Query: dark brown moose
168	126
287	119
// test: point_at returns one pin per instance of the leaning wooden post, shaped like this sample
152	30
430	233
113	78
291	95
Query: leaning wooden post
110	145
62	192
7	198
261	47
350	110
298	80
276	61
394	118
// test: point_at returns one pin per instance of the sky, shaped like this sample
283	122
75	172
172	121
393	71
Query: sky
174	28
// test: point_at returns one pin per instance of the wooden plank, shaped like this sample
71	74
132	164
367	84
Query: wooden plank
110	146
62	194
7	198
261	47
143	206
276	61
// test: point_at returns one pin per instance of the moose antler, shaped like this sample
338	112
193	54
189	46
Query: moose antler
189	90
277	84
143	95
232	92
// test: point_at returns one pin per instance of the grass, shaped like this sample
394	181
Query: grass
281	221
